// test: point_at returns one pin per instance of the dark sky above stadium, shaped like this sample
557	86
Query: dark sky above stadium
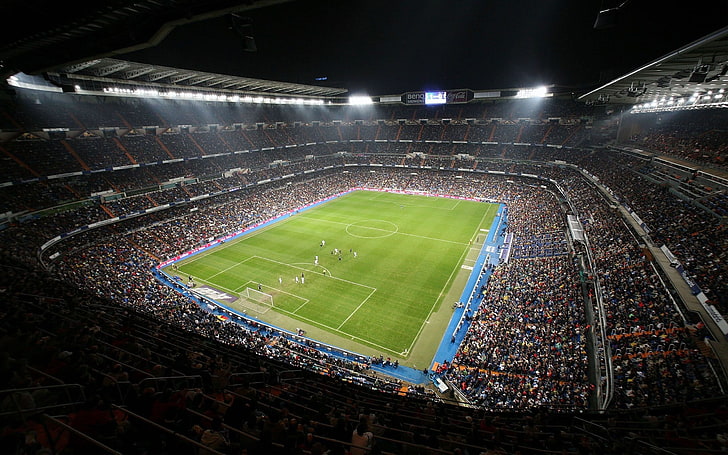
389	46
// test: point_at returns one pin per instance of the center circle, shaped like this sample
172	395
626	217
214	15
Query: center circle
372	229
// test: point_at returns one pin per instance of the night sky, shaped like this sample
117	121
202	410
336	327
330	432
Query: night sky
389	47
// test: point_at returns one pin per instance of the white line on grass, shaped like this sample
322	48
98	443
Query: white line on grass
332	277
244	285
348	335
353	337
395	233
337	329
301	268
214	249
422	206
492	207
306	301
239	288
309	270
281	291
438	299
213	285
442	291
231	267
419	206
356	309
430	238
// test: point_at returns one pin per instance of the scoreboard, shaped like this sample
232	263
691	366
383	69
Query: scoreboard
441	97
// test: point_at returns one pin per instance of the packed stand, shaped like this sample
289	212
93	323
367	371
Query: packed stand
693	135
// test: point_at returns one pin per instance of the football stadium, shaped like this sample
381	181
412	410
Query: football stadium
266	253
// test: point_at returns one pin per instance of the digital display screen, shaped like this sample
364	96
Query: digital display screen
435	97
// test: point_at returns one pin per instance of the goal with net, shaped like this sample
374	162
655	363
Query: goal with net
259	296
256	300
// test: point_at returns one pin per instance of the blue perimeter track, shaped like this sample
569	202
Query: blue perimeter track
471	296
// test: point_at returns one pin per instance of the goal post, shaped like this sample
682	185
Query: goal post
260	297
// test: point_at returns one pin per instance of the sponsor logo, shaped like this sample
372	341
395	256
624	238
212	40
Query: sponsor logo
458	96
213	294
414	98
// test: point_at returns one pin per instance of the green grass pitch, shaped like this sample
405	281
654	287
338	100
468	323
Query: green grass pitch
408	251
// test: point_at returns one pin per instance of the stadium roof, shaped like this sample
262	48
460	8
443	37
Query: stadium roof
108	70
373	46
699	68
44	35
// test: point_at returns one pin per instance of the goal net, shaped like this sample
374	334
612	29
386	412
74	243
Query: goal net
256	300
259	296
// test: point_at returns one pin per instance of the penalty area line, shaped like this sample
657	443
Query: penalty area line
342	333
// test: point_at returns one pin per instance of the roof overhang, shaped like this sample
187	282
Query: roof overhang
73	35
695	71
101	73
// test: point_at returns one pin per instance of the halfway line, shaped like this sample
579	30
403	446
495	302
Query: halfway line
387	230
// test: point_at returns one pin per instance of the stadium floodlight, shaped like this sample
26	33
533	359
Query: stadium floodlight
697	101
537	92
210	96
360	100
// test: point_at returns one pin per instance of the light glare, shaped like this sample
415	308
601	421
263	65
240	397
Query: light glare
360	100
219	97
537	92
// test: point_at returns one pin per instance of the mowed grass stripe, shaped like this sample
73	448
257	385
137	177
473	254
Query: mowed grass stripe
408	249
